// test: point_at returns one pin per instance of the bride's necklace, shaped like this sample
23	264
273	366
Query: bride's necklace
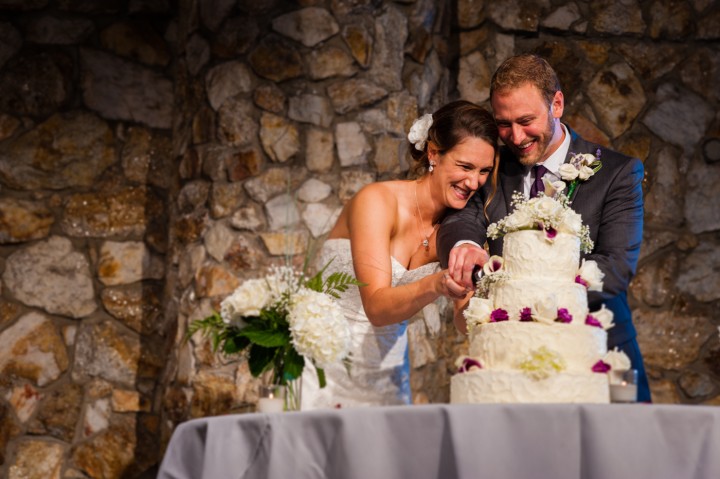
426	240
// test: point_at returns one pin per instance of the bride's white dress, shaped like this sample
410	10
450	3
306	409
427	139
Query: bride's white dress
379	369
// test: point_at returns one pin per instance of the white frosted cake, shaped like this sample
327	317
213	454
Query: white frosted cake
532	338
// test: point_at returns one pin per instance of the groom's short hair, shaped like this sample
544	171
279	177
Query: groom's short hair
526	68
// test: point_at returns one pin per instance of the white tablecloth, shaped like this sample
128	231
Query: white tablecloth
556	441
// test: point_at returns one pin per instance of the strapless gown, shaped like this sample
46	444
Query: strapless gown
379	370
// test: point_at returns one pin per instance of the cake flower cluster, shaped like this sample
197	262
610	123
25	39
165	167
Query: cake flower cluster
280	320
552	215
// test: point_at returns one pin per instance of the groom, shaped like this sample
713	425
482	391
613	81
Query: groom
527	105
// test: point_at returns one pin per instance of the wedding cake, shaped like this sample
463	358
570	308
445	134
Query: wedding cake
532	338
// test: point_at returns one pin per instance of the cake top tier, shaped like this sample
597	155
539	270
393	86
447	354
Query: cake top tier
552	215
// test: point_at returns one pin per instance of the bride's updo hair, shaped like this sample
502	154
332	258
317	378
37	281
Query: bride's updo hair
451	124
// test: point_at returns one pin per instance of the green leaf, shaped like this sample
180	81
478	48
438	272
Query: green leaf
265	337
260	359
339	282
321	377
315	283
233	343
293	364
210	326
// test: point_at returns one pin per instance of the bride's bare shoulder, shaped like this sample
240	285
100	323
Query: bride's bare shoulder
385	190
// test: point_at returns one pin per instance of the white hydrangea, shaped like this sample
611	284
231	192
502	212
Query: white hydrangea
590	272
319	330
247	300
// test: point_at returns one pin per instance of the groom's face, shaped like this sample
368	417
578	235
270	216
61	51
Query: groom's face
527	124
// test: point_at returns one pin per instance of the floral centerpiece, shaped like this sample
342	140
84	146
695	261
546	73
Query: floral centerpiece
281	320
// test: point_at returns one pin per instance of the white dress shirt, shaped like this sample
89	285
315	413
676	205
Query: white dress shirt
553	163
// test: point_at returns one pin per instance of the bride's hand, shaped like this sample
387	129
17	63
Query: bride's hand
452	289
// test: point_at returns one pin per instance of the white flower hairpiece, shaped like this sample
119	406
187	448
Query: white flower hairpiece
419	131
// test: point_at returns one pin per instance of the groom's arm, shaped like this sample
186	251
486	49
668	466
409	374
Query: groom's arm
467	224
619	231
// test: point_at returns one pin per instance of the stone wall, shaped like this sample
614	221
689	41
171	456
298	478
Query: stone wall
154	153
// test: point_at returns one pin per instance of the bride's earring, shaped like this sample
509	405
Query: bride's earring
431	167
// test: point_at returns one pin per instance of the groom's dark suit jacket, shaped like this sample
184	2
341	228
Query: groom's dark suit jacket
610	203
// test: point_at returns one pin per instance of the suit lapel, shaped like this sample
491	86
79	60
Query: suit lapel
577	145
511	178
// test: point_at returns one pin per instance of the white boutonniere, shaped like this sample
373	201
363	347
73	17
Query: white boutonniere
580	167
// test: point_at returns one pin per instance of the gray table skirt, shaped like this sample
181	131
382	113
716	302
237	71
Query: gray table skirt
556	441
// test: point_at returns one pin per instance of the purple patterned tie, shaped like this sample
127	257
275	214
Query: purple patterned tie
538	186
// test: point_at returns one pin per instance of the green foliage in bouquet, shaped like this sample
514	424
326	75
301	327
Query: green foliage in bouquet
280	320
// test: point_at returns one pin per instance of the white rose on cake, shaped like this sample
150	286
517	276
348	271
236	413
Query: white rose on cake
545	310
547	208
519	219
604	317
478	312
571	222
619	363
590	276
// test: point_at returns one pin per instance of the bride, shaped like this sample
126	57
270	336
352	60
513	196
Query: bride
385	237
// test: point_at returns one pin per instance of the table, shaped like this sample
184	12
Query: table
443	441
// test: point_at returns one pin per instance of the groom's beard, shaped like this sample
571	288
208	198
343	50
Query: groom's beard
542	143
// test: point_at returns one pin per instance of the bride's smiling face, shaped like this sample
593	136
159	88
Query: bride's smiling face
462	170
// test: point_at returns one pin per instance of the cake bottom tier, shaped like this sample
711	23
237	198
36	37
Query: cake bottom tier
488	386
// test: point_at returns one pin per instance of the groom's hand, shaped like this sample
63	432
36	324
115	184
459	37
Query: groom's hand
462	262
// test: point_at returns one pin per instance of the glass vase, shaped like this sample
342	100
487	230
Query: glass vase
293	394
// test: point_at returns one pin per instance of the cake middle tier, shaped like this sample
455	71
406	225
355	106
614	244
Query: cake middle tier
506	344
513	295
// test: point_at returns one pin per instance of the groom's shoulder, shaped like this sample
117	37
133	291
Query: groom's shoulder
509	164
606	155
